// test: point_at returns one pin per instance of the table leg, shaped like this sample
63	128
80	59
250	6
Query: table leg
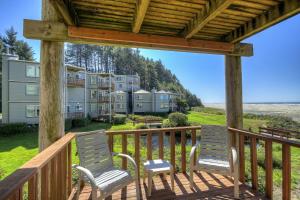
149	183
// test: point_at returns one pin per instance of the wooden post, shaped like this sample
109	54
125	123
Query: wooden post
234	105
51	124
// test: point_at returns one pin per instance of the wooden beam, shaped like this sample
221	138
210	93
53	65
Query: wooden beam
63	10
140	12
51	116
282	11
59	32
234	106
212	10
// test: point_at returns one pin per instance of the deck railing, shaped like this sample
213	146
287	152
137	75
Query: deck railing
268	141
72	81
49	174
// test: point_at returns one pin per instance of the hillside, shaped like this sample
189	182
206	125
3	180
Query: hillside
128	61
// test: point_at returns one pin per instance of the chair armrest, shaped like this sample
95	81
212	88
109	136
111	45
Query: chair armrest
234	155
87	173
192	153
130	159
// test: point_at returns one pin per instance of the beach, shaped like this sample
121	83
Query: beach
291	110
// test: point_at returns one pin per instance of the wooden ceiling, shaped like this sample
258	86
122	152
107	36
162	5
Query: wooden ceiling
214	20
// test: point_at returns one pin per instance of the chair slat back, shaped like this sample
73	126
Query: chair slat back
214	143
93	151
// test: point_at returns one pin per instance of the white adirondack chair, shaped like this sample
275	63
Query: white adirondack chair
216	155
96	166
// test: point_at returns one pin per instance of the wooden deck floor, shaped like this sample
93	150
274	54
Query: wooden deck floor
209	186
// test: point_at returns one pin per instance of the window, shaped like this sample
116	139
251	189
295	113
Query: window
93	94
32	110
93	107
163	97
120	97
93	80
68	108
32	71
120	86
139	105
119	78
78	107
32	89
164	105
120	106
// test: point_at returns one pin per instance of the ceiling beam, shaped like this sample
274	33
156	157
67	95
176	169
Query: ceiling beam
140	12
50	31
282	11
63	10
212	10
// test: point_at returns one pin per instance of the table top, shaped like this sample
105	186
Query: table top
157	165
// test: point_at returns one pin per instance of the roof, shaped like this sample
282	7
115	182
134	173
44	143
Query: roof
218	20
119	92
141	92
74	68
209	26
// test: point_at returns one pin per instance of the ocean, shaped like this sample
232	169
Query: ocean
290	109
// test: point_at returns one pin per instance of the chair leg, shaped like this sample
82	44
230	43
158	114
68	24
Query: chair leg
191	177
94	193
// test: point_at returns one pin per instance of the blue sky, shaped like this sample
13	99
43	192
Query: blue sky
271	75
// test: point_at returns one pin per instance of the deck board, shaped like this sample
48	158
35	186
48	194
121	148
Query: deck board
207	186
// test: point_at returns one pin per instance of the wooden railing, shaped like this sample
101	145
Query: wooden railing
284	133
48	174
286	160
160	134
72	81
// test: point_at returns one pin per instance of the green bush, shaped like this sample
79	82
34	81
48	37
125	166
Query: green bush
16	128
277	163
119	119
68	124
177	119
80	122
166	124
141	126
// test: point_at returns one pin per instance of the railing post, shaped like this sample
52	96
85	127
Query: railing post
286	172
253	152
194	142
183	151
161	145
137	151
45	182
69	177
111	142
53	178
172	149
269	169
149	146
33	188
124	150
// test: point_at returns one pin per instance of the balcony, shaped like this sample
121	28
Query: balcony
75	82
105	85
53	165
105	99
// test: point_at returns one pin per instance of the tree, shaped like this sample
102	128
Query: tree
10	40
24	51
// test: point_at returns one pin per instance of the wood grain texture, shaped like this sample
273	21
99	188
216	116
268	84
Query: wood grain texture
286	172
253	160
269	166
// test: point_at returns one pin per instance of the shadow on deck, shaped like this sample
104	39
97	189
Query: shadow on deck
208	186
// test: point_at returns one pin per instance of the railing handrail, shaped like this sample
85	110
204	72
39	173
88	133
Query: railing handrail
279	130
14	181
266	137
153	130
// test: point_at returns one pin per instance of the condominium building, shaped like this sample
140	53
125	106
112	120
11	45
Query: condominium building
97	95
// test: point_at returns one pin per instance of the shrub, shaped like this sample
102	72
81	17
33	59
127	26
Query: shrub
277	163
16	128
2	172
166	124
141	126
80	122
177	119
68	124
119	119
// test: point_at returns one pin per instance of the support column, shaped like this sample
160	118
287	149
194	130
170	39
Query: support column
51	124
234	105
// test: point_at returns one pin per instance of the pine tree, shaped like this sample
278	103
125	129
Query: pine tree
10	40
24	51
